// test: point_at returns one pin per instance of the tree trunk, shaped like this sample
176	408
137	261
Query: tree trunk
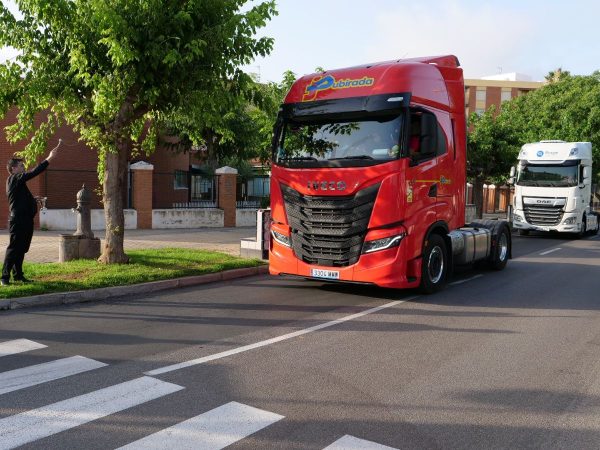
114	186
478	196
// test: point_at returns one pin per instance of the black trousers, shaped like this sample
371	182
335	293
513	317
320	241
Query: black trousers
21	232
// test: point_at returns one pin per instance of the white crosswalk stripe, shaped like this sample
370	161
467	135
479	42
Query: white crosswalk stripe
18	346
213	430
351	443
41	373
39	423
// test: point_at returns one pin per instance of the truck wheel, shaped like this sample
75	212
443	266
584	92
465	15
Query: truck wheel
501	250
523	232
435	265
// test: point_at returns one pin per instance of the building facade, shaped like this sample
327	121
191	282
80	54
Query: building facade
481	93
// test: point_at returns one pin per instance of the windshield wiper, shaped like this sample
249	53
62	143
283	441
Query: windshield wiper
299	158
352	157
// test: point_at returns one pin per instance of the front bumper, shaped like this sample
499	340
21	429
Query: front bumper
386	268
519	223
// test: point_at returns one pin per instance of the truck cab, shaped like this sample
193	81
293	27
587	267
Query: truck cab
368	177
553	188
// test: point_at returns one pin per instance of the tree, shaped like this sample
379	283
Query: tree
568	109
241	127
115	70
490	152
557	75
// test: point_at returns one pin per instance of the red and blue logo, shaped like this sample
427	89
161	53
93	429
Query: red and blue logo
324	83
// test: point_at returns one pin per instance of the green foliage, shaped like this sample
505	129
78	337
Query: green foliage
568	108
490	145
145	266
238	126
104	67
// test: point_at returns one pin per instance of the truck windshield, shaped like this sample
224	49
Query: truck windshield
548	175
340	143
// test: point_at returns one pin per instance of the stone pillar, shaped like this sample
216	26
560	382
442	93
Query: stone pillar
142	193
227	177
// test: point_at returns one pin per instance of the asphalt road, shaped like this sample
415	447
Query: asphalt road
506	359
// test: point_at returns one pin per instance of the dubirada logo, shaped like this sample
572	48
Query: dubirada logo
326	185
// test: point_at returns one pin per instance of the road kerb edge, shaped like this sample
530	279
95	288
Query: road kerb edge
114	292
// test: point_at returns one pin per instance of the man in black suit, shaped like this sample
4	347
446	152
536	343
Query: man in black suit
23	208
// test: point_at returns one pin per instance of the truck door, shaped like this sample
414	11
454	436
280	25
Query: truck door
422	175
446	207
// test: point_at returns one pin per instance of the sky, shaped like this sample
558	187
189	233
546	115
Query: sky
531	37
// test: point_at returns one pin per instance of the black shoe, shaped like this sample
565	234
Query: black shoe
4	282
22	279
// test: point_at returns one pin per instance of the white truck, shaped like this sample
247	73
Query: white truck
553	188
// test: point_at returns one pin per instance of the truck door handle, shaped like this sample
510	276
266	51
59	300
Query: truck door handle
433	190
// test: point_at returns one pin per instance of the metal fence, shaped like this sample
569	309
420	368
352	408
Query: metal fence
195	204
189	189
247	204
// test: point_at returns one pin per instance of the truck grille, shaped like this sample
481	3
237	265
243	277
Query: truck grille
543	215
329	231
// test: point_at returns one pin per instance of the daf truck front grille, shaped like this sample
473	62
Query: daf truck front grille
543	215
329	231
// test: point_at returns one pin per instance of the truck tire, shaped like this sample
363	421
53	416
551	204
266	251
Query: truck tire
434	269
500	251
523	232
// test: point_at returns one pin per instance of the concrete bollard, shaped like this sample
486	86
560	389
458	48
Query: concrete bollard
68	247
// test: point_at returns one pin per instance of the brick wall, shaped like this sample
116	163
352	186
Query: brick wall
227	181
76	165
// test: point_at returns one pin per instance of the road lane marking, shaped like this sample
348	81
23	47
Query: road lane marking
213	430
351	443
48	420
41	373
550	251
465	280
274	340
18	346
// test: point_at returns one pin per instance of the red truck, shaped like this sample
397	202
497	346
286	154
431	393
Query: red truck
368	178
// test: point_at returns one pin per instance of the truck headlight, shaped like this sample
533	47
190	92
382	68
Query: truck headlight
570	220
518	218
281	238
382	244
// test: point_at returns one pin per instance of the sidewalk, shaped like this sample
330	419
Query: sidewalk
44	246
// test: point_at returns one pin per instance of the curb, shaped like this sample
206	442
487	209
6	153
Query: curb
67	298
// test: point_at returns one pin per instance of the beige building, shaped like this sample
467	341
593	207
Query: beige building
481	93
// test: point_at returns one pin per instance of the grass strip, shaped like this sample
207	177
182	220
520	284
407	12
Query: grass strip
144	266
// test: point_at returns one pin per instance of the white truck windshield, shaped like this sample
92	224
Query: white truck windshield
548	175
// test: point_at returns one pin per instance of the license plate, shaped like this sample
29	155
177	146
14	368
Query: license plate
329	274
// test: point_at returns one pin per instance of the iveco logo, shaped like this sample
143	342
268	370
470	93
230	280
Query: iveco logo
326	185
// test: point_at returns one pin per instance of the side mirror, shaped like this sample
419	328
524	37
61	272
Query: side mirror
511	179
587	173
